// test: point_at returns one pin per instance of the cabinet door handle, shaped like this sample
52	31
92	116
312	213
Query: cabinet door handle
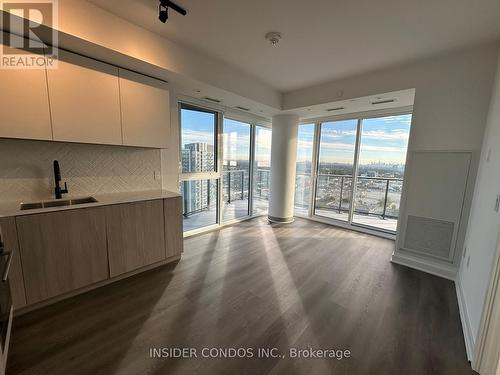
6	270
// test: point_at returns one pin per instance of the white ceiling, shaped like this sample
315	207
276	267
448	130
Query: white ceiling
323	40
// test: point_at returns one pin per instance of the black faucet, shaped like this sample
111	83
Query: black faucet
57	178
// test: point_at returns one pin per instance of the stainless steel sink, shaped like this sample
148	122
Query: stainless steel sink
31	206
57	203
82	201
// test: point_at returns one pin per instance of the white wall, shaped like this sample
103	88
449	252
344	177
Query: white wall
94	25
484	222
452	94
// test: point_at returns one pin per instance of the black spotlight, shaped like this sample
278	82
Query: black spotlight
163	14
165	5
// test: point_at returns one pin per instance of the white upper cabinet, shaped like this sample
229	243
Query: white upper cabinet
84	100
145	105
24	102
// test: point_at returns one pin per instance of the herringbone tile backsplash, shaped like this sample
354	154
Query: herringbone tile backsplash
26	169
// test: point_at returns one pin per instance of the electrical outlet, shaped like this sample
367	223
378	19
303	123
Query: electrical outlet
157	175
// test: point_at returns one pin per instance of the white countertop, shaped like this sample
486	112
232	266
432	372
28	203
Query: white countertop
8	209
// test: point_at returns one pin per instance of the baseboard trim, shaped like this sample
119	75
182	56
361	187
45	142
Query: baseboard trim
464	317
442	270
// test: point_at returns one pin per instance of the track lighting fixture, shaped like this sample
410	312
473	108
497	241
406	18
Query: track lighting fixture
163	14
163	10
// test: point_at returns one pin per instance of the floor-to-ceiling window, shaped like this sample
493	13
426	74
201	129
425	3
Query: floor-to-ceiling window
380	171
357	170
225	166
304	168
262	169
236	169
337	145
199	179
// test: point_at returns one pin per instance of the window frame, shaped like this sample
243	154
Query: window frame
221	114
360	117
250	171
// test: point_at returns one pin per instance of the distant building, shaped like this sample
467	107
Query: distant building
197	157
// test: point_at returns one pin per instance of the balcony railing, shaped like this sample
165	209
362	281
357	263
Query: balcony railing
378	196
235	184
375	196
262	183
235	187
201	196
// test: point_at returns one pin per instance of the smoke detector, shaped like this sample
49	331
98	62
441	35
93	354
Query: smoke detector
273	37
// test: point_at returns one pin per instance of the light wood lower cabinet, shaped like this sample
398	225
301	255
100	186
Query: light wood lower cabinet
8	231
62	251
136	235
173	226
57	253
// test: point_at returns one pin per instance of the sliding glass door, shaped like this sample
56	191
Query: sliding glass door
226	165
337	146
304	169
236	169
359	171
199	179
381	165
262	170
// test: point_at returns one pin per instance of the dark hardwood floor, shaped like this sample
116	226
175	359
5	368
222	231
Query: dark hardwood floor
255	286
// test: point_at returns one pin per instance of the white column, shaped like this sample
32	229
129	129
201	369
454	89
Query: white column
283	160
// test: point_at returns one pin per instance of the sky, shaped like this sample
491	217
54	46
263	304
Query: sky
199	127
236	140
383	139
